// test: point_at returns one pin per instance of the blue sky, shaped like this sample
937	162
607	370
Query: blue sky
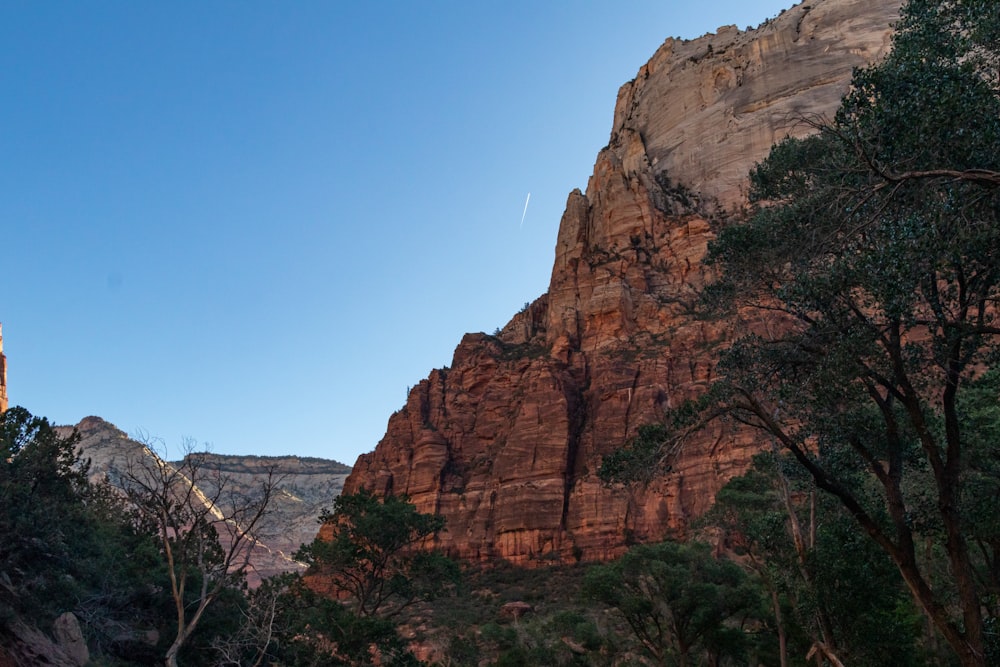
256	224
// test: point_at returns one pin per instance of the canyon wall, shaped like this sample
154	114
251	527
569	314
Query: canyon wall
506	442
3	376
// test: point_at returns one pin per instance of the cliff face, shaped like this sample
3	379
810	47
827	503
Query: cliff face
506	443
306	487
3	376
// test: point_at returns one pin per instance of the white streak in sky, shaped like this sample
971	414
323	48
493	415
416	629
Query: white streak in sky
525	212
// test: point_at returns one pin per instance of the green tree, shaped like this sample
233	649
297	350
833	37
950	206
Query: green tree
70	545
874	250
311	629
374	554
373	565
41	497
60	532
679	600
762	524
825	580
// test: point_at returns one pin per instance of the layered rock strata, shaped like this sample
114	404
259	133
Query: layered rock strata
304	487
506	443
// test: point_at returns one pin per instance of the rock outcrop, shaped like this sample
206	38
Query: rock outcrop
506	442
3	376
22	645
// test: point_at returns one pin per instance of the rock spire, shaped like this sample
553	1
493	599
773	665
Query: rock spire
3	375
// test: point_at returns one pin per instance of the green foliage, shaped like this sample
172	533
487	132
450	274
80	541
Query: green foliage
577	626
679	600
980	408
375	568
562	628
314	630
874	252
373	555
288	623
41	509
69	545
814	563
641	459
650	453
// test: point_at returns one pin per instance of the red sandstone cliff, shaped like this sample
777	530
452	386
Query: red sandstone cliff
3	377
506	443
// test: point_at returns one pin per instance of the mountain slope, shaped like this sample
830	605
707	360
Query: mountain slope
306	486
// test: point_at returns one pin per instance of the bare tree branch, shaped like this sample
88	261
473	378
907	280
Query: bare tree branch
206	527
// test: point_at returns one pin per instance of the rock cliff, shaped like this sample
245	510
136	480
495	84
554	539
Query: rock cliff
506	442
3	376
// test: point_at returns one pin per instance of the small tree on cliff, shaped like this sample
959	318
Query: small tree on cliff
877	244
205	525
373	553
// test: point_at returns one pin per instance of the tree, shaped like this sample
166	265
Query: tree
68	544
374	557
311	629
678	599
875	246
826	581
372	566
761	523
41	498
205	525
258	626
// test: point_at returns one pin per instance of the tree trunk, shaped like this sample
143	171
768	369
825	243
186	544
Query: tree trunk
779	620
802	548
171	659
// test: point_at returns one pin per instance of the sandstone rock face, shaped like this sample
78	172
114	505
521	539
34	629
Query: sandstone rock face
3	376
305	487
69	636
25	645
506	443
708	109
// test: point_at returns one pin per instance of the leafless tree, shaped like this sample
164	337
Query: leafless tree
249	645
205	524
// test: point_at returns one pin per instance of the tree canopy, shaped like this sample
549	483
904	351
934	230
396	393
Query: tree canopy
678	599
373	554
874	250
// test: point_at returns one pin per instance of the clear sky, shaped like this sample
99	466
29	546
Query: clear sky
256	224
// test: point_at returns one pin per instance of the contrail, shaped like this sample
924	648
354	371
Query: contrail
525	212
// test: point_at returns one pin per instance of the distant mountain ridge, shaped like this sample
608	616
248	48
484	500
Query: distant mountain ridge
306	486
506	442
302	465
